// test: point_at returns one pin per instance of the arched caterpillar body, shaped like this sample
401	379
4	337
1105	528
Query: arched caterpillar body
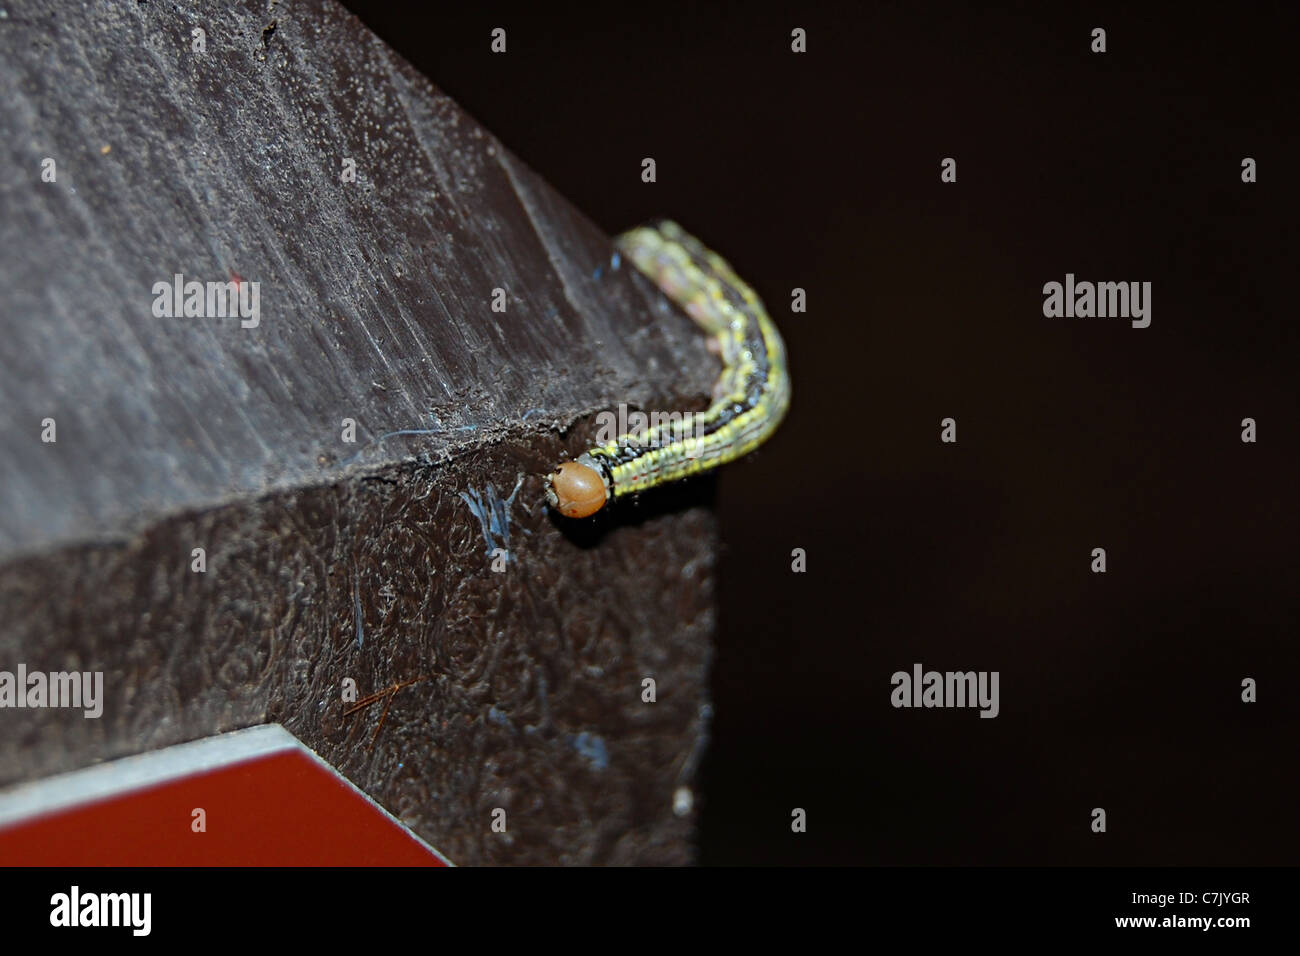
749	400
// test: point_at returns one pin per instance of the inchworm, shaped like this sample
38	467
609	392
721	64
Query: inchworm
749	400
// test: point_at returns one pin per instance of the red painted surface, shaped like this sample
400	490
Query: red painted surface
284	809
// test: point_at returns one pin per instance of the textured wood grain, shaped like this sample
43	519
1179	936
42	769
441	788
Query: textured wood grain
328	560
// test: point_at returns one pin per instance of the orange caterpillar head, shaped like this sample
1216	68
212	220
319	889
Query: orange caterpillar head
576	489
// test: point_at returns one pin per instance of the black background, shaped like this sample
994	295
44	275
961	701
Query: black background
822	171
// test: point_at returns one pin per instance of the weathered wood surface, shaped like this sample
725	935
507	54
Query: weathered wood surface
328	559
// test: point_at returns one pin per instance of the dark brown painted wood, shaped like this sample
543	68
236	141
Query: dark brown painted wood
325	559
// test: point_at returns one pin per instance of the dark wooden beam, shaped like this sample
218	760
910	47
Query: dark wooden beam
328	559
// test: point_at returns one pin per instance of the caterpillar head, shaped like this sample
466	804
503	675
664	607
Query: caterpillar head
576	489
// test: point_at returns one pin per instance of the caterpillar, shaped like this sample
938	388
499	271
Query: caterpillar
749	399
